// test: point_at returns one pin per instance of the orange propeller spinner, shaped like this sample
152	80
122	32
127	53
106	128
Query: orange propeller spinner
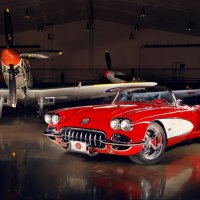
10	56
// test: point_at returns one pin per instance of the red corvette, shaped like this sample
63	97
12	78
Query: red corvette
139	123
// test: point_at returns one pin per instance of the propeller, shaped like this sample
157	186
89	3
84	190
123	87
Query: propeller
8	30
108	60
9	42
40	54
12	86
31	54
117	75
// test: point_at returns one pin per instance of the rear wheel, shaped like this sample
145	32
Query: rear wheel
154	146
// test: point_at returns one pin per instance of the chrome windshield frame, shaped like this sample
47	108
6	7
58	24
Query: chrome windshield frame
159	88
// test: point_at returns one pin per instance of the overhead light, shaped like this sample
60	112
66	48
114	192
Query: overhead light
27	13
143	12
189	26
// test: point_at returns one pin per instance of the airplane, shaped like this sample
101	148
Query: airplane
17	75
116	76
15	66
189	95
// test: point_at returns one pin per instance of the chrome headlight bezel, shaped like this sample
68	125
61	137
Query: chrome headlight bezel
126	125
115	124
47	118
55	119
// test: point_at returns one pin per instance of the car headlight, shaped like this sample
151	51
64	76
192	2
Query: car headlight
47	118
126	125
55	119
115	124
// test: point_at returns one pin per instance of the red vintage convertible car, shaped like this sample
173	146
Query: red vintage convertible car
139	123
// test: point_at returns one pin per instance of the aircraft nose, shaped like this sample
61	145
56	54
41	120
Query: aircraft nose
107	73
10	56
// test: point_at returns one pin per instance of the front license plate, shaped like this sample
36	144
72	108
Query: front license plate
78	146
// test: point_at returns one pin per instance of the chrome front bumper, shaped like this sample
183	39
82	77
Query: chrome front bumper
56	134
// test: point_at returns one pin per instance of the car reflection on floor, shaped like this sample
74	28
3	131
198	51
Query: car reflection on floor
31	167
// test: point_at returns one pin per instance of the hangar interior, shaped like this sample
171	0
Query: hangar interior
152	40
116	26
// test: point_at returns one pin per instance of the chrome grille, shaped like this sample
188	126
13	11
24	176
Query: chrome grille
92	138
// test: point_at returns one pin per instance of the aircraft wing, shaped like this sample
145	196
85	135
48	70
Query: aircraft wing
180	94
82	92
91	91
47	97
190	97
44	97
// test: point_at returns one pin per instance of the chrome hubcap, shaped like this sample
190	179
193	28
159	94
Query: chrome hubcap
153	143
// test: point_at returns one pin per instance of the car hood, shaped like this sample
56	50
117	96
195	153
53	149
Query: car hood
104	113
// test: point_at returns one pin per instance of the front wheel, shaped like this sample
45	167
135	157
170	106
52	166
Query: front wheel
154	146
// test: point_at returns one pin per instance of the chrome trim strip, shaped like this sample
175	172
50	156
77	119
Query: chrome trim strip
68	134
81	136
124	144
90	138
86	137
95	140
53	135
72	134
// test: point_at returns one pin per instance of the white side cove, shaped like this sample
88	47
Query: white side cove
176	127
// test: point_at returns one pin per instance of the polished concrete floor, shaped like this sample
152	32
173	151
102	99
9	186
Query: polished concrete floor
32	167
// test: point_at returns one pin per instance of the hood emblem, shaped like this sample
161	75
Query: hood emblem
85	121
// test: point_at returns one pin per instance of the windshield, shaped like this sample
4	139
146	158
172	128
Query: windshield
145	94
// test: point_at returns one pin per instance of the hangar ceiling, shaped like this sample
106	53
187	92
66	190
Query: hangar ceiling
170	15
